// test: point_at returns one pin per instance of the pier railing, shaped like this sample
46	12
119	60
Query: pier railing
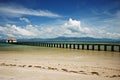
85	46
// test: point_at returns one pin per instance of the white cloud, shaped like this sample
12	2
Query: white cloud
73	25
110	23
13	11
71	28
14	31
25	20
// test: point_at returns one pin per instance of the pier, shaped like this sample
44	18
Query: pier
85	46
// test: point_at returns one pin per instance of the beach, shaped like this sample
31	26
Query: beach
18	62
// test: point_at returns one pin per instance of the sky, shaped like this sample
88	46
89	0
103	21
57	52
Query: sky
60	18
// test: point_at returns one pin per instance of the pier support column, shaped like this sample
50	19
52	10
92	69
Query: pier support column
78	47
98	47
66	45
73	46
70	46
119	48
87	46
57	45
82	46
48	44
105	47
112	47
93	47
60	45
63	45
54	44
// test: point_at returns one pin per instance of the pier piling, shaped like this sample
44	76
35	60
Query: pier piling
99	47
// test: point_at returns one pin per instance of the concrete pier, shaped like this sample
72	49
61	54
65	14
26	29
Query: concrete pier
98	47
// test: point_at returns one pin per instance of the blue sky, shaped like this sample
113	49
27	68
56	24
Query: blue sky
54	18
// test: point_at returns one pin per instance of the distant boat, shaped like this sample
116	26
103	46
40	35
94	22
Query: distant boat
11	40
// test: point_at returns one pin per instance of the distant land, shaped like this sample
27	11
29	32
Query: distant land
68	39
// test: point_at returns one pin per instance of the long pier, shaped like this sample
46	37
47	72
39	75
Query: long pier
85	46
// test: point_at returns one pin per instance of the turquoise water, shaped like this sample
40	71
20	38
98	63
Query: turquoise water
13	47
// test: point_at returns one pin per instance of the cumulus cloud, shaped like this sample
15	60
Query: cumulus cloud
70	28
14	31
73	25
13	11
25	20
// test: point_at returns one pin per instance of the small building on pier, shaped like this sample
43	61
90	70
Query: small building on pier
11	40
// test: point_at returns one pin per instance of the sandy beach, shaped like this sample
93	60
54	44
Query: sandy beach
41	63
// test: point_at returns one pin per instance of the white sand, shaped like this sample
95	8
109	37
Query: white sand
58	64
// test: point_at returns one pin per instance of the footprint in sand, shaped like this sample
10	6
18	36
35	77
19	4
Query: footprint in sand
29	65
113	76
50	68
64	70
82	72
74	71
13	65
94	73
38	66
2	64
21	65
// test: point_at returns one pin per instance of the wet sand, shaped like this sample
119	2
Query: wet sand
39	63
